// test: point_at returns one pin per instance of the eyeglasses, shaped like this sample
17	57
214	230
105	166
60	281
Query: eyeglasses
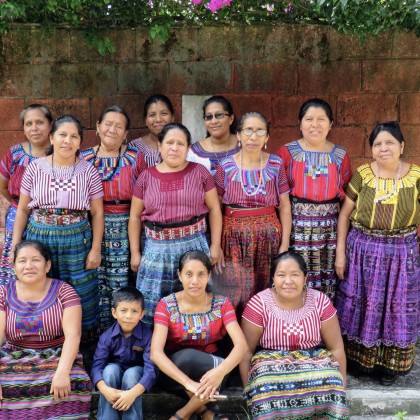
217	115
260	132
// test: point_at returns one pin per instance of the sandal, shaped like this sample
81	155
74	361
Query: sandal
177	416
215	416
388	379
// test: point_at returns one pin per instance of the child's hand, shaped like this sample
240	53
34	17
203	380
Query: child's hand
125	400
111	394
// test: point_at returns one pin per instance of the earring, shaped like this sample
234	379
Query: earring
125	141
265	146
273	286
97	133
239	143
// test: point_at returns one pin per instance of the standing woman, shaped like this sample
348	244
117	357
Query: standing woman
158	111
318	172
172	199
221	141
56	194
378	300
118	166
36	120
252	184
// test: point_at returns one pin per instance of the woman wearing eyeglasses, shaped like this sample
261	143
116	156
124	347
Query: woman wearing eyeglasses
252	184
221	141
318	172
378	260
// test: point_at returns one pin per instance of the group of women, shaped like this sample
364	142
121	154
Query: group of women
147	203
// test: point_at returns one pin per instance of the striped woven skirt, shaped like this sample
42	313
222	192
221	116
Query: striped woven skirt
69	246
25	378
295	385
249	245
157	276
6	270
314	236
378	303
114	269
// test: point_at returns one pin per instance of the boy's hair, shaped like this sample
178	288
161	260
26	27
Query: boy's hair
127	294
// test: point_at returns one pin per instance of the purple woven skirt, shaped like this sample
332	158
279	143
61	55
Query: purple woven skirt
379	300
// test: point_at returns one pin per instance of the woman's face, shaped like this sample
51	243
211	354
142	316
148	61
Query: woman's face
158	115
194	277
251	141
66	140
174	148
289	280
218	124
30	266
36	127
112	130
386	149
315	125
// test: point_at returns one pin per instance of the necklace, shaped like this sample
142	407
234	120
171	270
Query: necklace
53	169
112	173
393	190
28	303
184	307
215	153
260	178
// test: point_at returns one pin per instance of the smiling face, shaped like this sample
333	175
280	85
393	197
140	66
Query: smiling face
386	149
158	115
36	127
66	140
315	125
194	277
219	124
30	266
174	148
128	314
112	129
289	280
253	143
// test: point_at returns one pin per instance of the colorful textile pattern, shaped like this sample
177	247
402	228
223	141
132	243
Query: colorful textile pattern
296	385
25	378
379	300
198	331
316	176
251	188
114	269
7	272
151	156
158	272
69	246
388	359
212	159
314	236
393	205
249	245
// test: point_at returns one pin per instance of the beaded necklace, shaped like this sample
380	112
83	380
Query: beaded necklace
110	175
260	178
215	153
394	188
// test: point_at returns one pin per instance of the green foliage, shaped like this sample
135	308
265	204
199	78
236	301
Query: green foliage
401	415
357	17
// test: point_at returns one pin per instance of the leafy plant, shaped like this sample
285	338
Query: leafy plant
400	415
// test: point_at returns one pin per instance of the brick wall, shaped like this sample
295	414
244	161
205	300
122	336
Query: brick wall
270	69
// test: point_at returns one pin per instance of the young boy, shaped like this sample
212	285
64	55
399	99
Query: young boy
121	368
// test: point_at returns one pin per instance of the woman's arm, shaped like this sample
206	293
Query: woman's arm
342	230
93	259
331	335
252	335
285	213
72	327
21	220
215	219
212	379
134	231
4	190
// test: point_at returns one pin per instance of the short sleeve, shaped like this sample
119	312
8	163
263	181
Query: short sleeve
254	311
139	187
228	312
208	181
27	179
284	154
162	314
283	184
2	299
345	171
6	165
220	180
354	187
140	165
327	308
95	184
68	296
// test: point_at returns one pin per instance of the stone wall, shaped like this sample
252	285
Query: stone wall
272	69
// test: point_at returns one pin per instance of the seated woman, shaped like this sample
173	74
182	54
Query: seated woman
188	325
42	374
292	375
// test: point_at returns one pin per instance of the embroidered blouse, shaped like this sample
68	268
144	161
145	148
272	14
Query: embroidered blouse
151	156
199	331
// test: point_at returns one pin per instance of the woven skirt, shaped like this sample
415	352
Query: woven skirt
314	236
114	269
249	245
7	272
158	272
25	378
69	246
378	303
295	385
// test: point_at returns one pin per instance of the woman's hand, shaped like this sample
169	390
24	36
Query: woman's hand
60	386
93	260
125	400
135	261
220	263
340	264
210	383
